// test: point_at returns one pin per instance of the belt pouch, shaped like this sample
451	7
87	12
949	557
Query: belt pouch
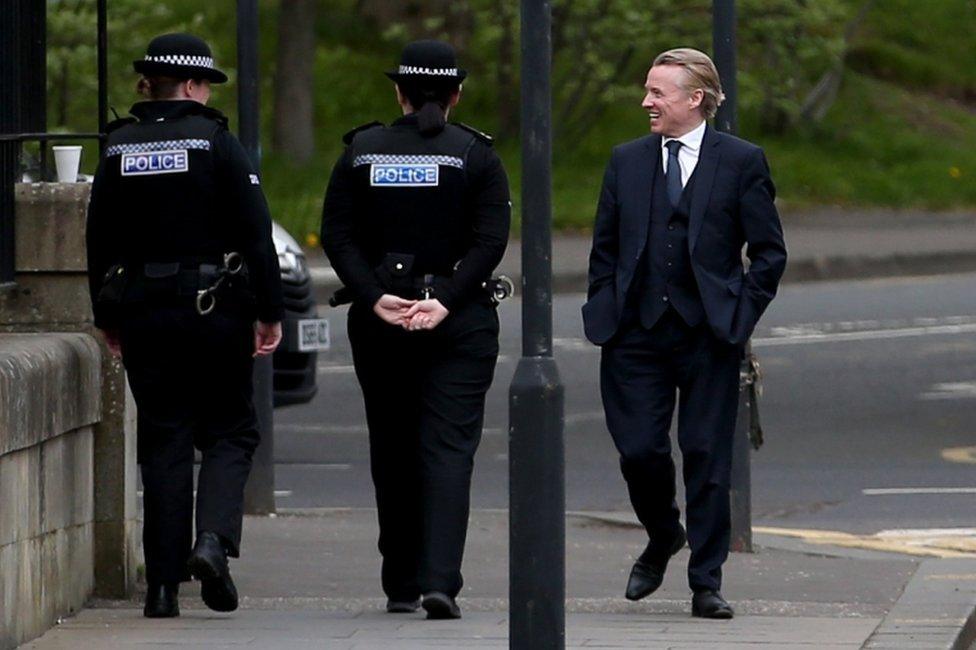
161	280
113	286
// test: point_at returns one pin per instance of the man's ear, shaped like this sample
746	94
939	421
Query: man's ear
697	97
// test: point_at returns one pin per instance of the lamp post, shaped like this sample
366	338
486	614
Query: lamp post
259	491
537	549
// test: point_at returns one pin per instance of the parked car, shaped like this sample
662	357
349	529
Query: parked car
303	332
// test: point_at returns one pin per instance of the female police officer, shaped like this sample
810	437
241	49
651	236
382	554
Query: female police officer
181	264
416	217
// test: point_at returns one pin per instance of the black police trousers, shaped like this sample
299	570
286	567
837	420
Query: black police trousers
191	379
641	371
425	399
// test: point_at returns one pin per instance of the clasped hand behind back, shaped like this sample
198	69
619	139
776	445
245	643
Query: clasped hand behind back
411	315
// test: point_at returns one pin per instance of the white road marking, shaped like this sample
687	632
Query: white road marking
581	418
835	332
333	369
952	390
866	335
277	493
875	492
321	428
336	466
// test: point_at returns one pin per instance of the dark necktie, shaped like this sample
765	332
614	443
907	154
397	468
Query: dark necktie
673	175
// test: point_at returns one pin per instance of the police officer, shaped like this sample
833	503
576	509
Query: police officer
186	287
416	217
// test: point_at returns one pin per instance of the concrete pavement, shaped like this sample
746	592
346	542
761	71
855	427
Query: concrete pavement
309	579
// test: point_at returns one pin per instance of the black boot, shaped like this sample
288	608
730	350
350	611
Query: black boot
208	564
162	600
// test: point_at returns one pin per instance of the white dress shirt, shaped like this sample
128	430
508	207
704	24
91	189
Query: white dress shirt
687	154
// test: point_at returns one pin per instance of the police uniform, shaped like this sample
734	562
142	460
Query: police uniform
417	216
174	194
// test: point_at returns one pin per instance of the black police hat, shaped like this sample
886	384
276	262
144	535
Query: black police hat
182	56
428	60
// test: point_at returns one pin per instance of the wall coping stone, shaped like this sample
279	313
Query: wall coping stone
50	384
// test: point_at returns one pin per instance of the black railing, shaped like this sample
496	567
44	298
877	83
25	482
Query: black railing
23	113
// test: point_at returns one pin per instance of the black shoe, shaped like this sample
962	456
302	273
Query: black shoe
208	564
402	606
710	604
162	601
440	606
647	575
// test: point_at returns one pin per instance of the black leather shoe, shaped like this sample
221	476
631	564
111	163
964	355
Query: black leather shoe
208	564
402	606
710	604
647	575
162	601
440	606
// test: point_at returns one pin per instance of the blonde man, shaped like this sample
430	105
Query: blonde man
672	307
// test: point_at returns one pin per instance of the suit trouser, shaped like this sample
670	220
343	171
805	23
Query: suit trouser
191	379
641	371
425	398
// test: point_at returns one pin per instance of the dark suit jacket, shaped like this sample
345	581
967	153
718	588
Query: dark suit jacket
731	206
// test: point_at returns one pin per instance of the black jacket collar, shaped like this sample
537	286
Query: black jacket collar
410	119
151	111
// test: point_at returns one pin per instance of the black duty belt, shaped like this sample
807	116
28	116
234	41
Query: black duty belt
164	280
498	289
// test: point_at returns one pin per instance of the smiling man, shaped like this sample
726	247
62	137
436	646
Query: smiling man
672	307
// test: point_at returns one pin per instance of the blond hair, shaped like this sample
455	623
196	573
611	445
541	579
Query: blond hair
700	74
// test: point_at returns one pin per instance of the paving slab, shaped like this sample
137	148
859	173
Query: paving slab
309	579
126	628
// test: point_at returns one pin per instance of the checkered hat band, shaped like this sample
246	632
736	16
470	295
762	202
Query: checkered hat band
183	59
161	145
395	159
435	72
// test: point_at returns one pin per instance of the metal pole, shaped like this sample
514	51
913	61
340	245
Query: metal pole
259	491
537	578
723	42
102	71
11	66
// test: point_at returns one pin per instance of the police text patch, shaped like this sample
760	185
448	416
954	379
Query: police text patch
404	175
155	162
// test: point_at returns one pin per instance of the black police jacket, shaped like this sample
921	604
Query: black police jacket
175	185
436	205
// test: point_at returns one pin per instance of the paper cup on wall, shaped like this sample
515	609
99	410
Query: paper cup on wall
67	158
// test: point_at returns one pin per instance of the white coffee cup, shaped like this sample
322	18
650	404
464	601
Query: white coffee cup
67	158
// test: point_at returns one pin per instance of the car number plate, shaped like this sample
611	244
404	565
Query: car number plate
313	334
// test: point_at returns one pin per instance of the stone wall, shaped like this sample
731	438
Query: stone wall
77	408
50	398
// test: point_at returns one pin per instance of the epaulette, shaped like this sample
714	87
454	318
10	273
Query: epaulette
214	114
119	123
481	135
347	138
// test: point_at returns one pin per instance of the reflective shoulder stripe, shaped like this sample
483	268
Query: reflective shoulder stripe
159	145
407	159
